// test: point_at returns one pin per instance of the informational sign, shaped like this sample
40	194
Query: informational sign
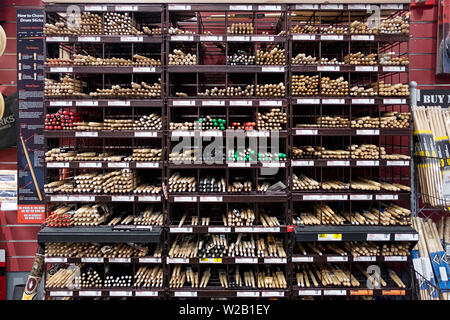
8	190
431	97
30	85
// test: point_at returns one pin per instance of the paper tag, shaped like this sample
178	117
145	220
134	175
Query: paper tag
123	198
273	164
146	293
328	68
256	133
55	260
241	103
303	37
61	69
119	260
185	199
275	260
126	8
366	68
150	260
244	229
334	292
81	198
333	101
302	163
363	101
185	293
331	7
90	165
146	134
394	101
331	37
306	132
395	258
149	198
246	260
90	293
394	69
57	164
391	6
386	197
272	69
272	294
309	292
182	133
368	132
118	165
238	38
86	134
184	102
8	206
211	38
406	237
213	103
267	229
120	293
58	198
363	37
57	39
61	103
329	237
211	133
312	197
211	199
144	69
210	260
277	103
338	163
334	197
131	39
239	164
302	259
182	38
179	7
147	165
359	6
177	260
360	197
364	258
393	292
247	294
95	8
116	103
88	39
240	8
219	229
337	259
86	103
92	260
61	293
269	8
378	237
181	229
368	163
397	163
263	38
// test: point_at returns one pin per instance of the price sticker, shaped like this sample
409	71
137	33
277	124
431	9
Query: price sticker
61	293
92	260
61	103
306	132
86	103
367	163
149	198
219	229
334	292
177	260
211	199
273	164
58	198
126	8
145	134
220	103
363	101
406	237
395	258
302	259
57	39
185	293
181	7
312	197
246	260
210	260
272	69
334	197
211	38
119	103
269	8
331	37
85	134
238	38
361	197
131	39
364	259
55	260
248	294
303	37
118	165
90	165
88	39
328	68
308	101
302	163
331	6
275	260
57	165
386	197
181	133
338	163
263	38
309	292
333	101
146	293
337	259
182	38
378	237
359	6
61	69
185	199
238	164
244	229
147	165
241	103
307	7
120	293
366	68
144	69
393	69
122	198
89	293
150	260
119	260
184	103
94	8
391	6
329	237
394	101
397	163
362	37
368	132
275	103
272	294
240	7
181	229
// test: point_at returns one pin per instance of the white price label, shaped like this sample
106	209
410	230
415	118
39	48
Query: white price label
61	69
269	8
244	229
361	197
337	259
314	197
397	163
331	37
394	69
119	260
182	38
150	260
55	260
181	229
149	198
146	293
95	8
368	163
185	294
272	69
272	294
366	68
267	229
333	101
391	6
211	199
302	163
406	237
238	164
118	165
61	293
378	237
117	103
334	292
364	259
126	8
131	39
359	6
338	163
58	198
120	293
147	165
211	38
308	101
86	103
328	68
144	69
90	134
81	198
277	103
90	165
92	260
363	101
61	103
302	259
123	198
386	197
247	294
273	164
362	37
256	133
181	133
334	197
88	39
145	134
306	132
177	260
185	199
211	133
184	103
57	39
57	164
240	7
86	293
309	292
394	101
395	258
368	132
263	38
219	229
179	7
303	37
331	7
275	260
238	38
213	103
246	260
241	103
